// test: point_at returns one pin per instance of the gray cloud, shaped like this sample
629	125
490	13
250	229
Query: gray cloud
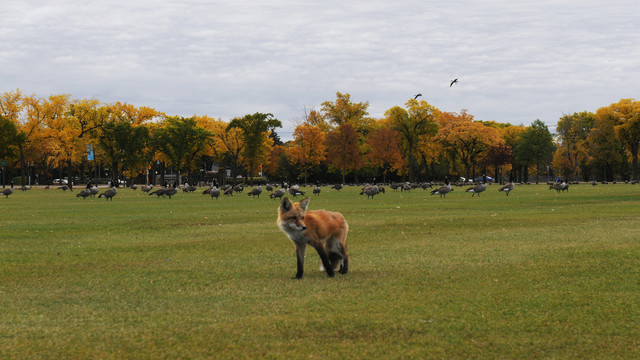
517	61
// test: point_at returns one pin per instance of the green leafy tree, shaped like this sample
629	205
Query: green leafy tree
535	147
124	146
12	139
181	140
255	130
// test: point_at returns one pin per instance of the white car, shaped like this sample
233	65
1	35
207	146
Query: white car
60	182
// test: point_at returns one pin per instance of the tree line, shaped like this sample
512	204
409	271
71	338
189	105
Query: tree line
59	136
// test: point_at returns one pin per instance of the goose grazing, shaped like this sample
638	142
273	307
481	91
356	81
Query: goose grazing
64	188
214	192
146	188
295	191
93	190
278	193
84	193
229	191
337	187
134	187
109	194
171	191
158	193
508	186
9	191
444	189
238	188
25	187
316	190
478	188
370	191
255	192
269	187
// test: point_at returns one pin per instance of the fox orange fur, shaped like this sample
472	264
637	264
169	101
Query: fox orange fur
323	230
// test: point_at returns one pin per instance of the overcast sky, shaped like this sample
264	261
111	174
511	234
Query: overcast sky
517	61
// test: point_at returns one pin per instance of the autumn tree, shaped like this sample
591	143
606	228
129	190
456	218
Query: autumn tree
255	133
385	145
466	140
573	131
342	149
343	110
535	146
414	124
498	155
308	147
605	149
625	115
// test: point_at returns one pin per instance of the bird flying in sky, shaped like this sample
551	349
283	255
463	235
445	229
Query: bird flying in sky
415	97
453	82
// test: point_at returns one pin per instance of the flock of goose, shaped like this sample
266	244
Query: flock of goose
294	190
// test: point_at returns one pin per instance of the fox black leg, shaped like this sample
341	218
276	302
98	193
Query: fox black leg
300	250
325	261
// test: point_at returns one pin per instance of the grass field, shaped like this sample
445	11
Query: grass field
535	275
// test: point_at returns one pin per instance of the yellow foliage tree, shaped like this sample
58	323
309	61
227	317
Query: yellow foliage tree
466	140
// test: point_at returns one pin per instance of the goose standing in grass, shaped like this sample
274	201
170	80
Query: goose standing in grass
109	194
508	186
370	191
84	193
444	189
316	190
478	188
295	191
255	192
171	191
147	188
9	191
65	188
278	194
214	192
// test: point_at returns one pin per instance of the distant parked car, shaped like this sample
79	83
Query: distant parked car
60	182
479	179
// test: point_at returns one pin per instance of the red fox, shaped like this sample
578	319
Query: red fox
325	231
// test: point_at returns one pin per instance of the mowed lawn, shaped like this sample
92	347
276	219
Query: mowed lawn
535	275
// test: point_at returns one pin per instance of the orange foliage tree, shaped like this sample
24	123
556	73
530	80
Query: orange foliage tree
342	149
308	147
385	146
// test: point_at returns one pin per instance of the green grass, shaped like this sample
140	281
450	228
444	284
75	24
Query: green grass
535	275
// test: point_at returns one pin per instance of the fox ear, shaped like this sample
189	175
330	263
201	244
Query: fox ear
285	205
304	203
